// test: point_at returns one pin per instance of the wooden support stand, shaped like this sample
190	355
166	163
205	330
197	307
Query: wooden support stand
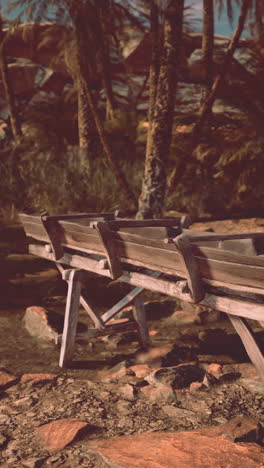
67	340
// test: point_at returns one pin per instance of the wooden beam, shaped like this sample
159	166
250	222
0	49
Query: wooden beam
139	315
193	274
126	301
247	338
71	318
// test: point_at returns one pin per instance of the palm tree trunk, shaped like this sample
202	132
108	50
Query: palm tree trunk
154	68
160	130
208	46
9	95
113	163
89	144
206	109
208	104
259	12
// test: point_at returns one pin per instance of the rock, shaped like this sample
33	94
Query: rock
179	354
38	378
197	386
36	321
178	377
45	324
33	462
128	392
7	379
58	434
215	369
239	429
141	370
3	440
178	413
183	449
163	393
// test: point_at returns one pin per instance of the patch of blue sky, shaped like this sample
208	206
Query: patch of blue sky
222	23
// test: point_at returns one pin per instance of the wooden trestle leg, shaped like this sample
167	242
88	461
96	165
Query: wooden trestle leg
71	316
252	349
139	315
75	298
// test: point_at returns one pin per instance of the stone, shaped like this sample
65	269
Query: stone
128	392
141	370
182	449
3	440
178	413
163	393
215	369
239	429
58	434
33	462
37	323
38	378
7	379
178	377
197	386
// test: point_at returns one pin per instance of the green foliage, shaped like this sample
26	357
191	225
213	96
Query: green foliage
43	174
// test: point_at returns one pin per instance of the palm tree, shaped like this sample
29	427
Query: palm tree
88	33
151	200
9	95
208	45
206	108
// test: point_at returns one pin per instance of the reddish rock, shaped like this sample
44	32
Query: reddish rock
215	369
141	370
162	393
239	429
57	434
181	449
6	378
197	386
34	378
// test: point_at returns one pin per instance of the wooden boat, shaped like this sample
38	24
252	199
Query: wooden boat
220	271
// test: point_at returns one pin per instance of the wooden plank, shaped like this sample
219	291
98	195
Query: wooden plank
193	274
114	262
237	307
139	315
220	237
231	272
226	256
134	223
247	338
163	286
53	230
235	288
36	231
71	318
124	302
153	236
